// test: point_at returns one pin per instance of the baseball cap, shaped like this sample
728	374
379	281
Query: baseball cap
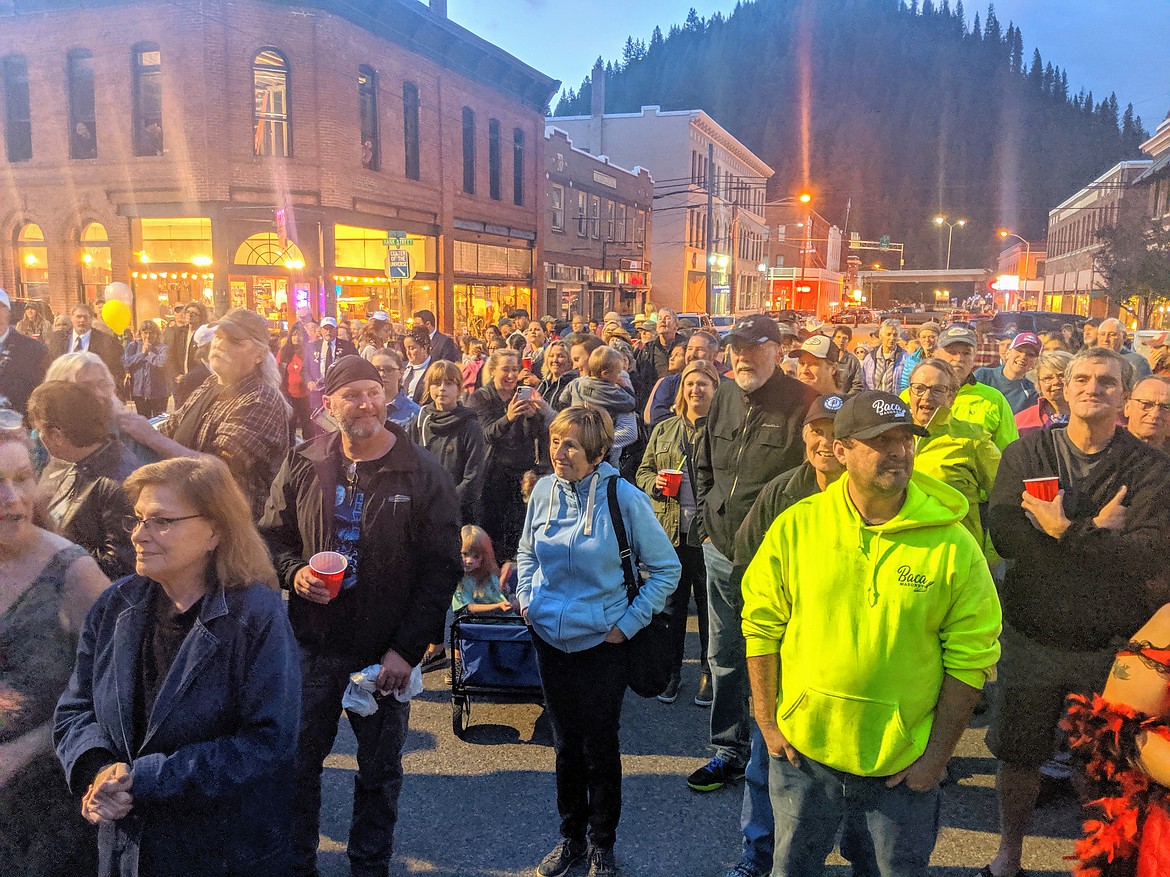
824	408
755	329
203	336
930	326
1025	339
820	346
957	335
243	324
380	316
4	300
329	321
872	412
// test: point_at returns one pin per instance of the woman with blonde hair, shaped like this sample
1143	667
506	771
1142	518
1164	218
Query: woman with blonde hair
186	689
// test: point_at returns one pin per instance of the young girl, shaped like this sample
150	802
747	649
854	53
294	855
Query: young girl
479	591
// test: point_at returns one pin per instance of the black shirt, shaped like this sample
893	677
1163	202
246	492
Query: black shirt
162	637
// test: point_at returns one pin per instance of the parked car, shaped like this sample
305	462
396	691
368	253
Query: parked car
852	317
1014	322
695	321
722	324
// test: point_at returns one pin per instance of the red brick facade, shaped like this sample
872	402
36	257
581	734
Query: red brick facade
209	169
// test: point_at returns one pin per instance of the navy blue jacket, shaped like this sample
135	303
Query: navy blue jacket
213	779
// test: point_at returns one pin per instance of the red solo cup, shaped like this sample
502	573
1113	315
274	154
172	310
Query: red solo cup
329	567
673	481
1043	488
527	360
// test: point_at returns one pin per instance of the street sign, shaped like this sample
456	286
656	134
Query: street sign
884	242
398	265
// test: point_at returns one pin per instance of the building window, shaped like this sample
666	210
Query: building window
468	151
640	229
17	109
594	216
582	215
610	220
82	127
410	128
96	271
558	208
494	159
33	261
147	93
368	118
517	167
621	224
271	105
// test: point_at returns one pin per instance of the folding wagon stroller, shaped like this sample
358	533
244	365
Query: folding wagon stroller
492	657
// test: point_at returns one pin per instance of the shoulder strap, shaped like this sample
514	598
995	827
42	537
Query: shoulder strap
619	529
59	563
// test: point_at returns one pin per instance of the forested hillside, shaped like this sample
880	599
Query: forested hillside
913	110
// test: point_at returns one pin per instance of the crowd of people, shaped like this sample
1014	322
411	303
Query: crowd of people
869	535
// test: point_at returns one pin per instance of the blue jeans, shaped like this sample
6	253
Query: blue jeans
756	817
811	801
730	716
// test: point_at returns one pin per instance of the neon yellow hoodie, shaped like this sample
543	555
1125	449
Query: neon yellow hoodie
867	619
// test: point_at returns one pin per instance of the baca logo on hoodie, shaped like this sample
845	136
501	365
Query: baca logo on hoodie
908	579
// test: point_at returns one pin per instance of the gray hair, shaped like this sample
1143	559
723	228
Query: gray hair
1120	326
1055	360
1102	354
942	366
270	374
707	338
894	324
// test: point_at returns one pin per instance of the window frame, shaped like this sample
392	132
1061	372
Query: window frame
595	217
410	130
495	159
558	208
369	128
272	118
80	86
17	125
139	72
582	214
468	145
518	141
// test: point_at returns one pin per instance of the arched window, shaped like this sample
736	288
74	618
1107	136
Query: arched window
17	109
96	272
82	122
368	112
271	107
410	128
33	260
265	249
146	72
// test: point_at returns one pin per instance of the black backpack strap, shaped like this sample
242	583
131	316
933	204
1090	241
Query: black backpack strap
619	529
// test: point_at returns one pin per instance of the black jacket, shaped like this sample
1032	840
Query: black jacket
105	346
748	440
552	390
23	363
177	339
410	563
785	490
512	446
443	347
653	362
87	505
456	439
1090	588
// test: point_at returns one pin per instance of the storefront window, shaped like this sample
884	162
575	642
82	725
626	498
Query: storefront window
365	248
95	261
33	258
492	261
265	249
175	240
478	305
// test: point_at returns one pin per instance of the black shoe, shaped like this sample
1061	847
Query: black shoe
563	856
601	863
705	696
670	693
715	774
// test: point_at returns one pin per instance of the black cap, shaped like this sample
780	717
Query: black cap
755	329
871	413
346	370
824	408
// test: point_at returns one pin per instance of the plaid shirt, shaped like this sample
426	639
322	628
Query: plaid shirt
246	427
987	353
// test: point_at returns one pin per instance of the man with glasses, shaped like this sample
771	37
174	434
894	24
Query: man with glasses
1011	378
974	402
180	338
1078	586
391	510
1147	412
401	409
82	337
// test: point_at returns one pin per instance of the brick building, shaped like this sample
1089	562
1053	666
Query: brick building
802	261
258	153
688	153
1071	282
596	232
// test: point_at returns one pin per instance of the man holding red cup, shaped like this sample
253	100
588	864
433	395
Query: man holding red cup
366	503
1079	563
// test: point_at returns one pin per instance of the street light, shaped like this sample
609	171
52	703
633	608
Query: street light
1005	234
940	221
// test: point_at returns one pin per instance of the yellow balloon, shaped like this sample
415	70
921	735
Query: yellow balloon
116	315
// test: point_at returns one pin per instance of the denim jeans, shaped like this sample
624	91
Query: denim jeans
812	800
378	781
730	717
756	818
583	694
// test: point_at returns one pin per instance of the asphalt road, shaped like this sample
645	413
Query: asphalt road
485	806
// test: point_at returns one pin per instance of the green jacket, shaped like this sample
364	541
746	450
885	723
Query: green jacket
986	407
666	449
867	620
959	453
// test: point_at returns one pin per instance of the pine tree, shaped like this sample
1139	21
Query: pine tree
991	31
1062	86
694	24
1036	72
629	52
656	38
977	28
1049	78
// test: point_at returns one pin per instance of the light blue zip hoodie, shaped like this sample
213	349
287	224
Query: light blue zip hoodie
569	567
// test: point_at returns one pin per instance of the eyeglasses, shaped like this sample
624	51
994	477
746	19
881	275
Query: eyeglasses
389	370
920	390
1148	405
155	525
1050	380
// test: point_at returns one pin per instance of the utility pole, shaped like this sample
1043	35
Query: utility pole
708	297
